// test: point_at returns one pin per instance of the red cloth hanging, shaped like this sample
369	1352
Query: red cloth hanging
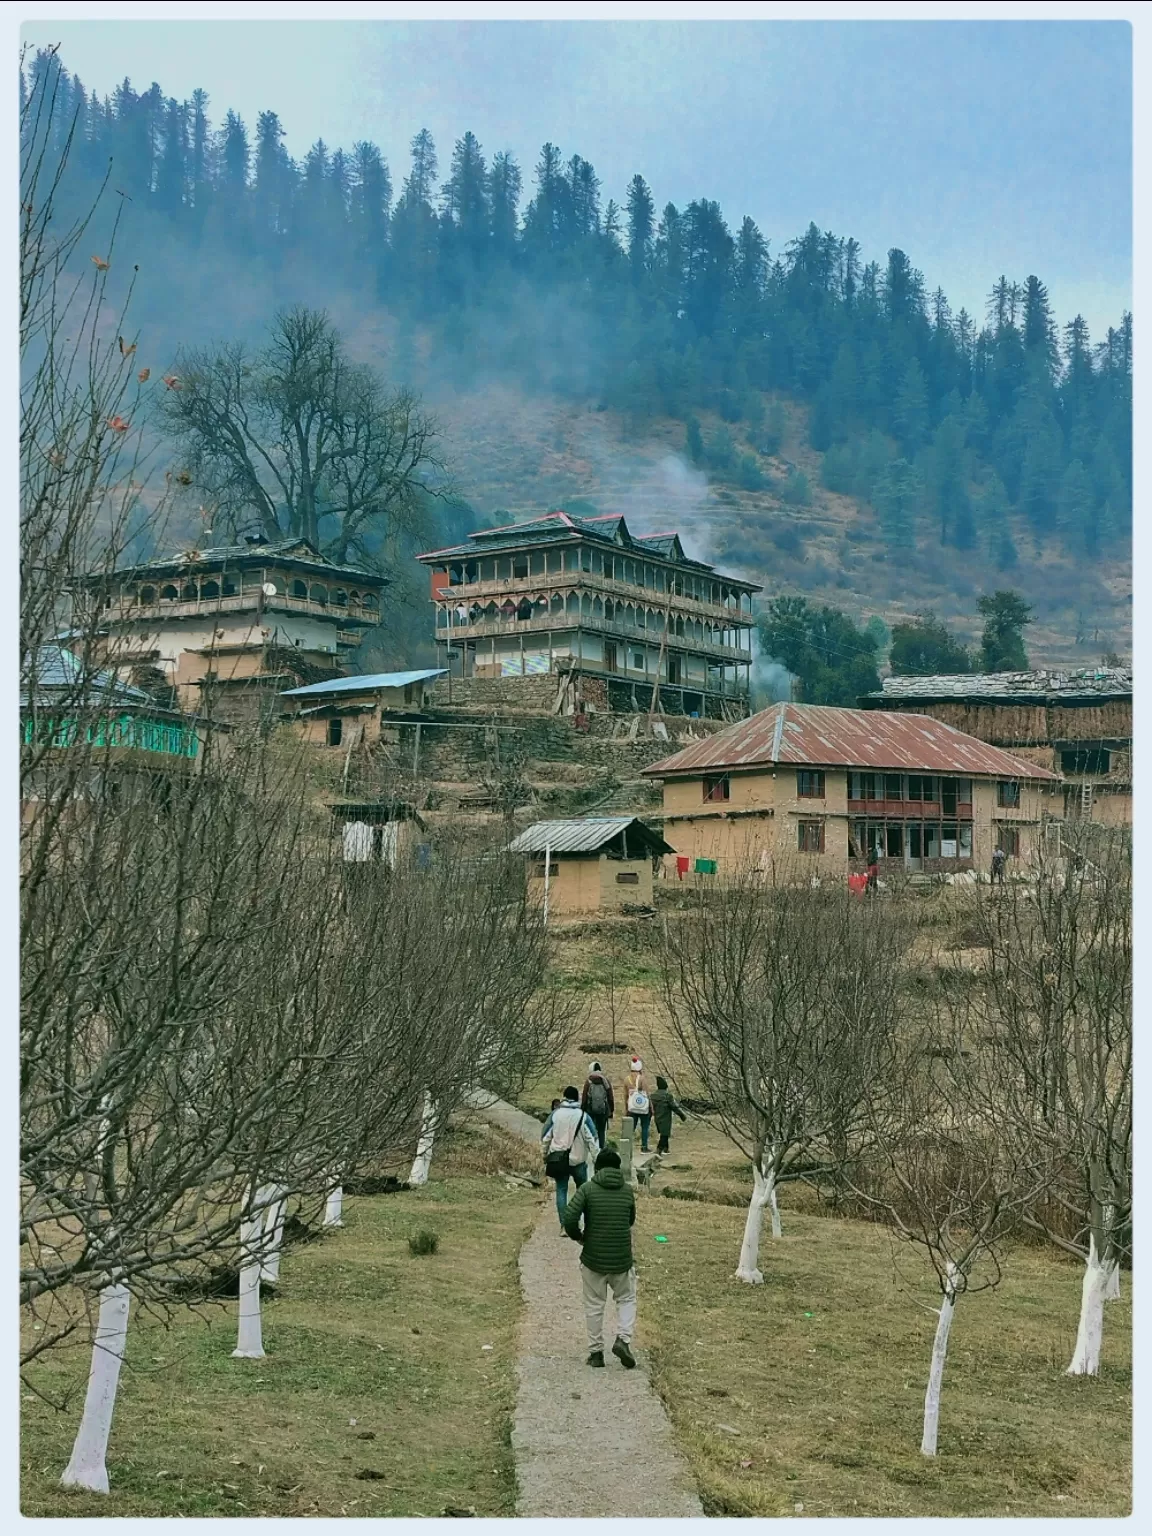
682	863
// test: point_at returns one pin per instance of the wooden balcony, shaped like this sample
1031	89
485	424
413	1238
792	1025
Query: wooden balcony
562	623
604	586
128	611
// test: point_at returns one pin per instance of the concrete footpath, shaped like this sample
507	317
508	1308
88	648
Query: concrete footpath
587	1442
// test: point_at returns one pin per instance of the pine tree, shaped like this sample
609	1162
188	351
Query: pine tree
465	198
173	169
272	183
1005	615
504	187
641	213
910	408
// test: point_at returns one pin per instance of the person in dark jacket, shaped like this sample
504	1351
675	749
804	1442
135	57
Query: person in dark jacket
664	1106
598	1101
607	1207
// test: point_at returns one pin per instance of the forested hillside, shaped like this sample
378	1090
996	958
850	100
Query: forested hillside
817	418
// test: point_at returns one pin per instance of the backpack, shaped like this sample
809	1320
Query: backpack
597	1099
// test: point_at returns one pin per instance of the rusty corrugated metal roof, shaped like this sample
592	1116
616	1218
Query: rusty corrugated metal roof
826	737
584	834
1089	684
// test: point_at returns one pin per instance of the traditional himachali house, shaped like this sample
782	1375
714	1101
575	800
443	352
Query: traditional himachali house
629	619
1078	724
809	787
242	621
590	863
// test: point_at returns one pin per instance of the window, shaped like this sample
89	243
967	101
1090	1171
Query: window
169	594
299	589
1008	838
948	841
948	796
893	787
894	842
1094	760
1008	793
148	595
810	836
966	840
810	783
638	660
628	877
538	871
335	732
717	787
862	786
520	567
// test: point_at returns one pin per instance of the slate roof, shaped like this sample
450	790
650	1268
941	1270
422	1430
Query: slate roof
300	552
585	834
826	737
556	527
363	683
1090	684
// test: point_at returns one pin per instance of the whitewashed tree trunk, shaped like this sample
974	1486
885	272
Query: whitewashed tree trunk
763	1189
333	1206
936	1371
249	1335
423	1159
774	1207
273	1235
86	1467
1100	1276
1112	1293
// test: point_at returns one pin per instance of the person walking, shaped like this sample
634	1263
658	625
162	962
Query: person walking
664	1106
873	884
569	1140
598	1100
607	1208
999	859
637	1101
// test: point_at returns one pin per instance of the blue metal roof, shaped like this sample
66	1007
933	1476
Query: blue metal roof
56	667
363	683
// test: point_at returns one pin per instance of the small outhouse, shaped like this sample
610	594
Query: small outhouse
592	863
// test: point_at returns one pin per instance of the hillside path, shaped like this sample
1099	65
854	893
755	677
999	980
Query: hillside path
587	1442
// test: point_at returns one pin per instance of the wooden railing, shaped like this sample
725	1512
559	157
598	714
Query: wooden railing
628	592
550	623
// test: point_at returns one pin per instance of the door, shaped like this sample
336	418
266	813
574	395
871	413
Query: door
610	655
912	847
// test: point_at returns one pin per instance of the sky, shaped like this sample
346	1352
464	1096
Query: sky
978	147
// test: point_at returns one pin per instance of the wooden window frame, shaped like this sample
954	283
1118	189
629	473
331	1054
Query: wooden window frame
804	829
714	782
816	776
1008	794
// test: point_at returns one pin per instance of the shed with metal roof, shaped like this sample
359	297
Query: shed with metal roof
591	863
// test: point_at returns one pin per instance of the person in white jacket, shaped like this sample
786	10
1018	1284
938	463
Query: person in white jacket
570	1144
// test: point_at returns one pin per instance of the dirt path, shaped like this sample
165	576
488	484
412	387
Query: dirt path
587	1442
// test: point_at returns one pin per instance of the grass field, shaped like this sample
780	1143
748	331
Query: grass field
377	1397
784	1413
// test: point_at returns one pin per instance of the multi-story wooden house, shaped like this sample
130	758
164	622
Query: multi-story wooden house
242	621
585	597
1077	724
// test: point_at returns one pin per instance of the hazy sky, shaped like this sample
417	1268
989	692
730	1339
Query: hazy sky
978	147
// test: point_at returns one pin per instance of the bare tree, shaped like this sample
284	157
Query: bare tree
1052	1007
300	441
783	1001
945	1179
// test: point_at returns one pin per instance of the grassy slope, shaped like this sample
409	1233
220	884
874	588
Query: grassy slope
524	453
362	1331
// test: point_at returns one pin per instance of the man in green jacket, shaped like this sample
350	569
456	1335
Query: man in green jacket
608	1208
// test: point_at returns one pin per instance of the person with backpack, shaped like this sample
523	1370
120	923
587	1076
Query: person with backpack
598	1101
637	1101
664	1106
607	1207
569	1140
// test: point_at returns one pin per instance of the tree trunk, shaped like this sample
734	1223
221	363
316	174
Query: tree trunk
936	1371
774	1207
423	1159
249	1337
333	1206
1100	1276
273	1234
86	1468
763	1191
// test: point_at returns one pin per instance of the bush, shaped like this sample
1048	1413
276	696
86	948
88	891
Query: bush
749	474
422	1243
795	490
